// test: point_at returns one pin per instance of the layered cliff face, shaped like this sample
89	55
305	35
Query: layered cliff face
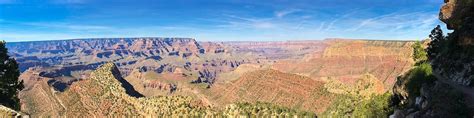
91	51
277	50
347	60
114	46
289	90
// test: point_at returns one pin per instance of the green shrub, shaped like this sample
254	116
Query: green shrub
417	76
260	109
376	107
352	106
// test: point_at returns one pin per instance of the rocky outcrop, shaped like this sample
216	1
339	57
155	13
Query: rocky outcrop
459	16
456	62
103	94
456	12
434	100
438	96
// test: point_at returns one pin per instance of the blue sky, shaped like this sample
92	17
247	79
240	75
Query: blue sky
218	20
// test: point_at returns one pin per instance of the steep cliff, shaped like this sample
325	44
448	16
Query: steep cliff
455	60
459	16
430	89
350	59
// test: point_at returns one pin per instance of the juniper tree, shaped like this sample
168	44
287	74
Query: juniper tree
435	46
9	84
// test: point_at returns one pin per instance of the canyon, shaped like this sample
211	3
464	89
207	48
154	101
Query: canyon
305	75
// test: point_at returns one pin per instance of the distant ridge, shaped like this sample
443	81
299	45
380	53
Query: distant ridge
118	38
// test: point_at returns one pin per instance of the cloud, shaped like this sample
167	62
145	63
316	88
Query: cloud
397	21
240	22
66	26
321	26
31	36
343	17
263	25
59	25
281	14
252	22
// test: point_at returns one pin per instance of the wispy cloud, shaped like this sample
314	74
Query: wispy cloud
357	23
60	25
280	14
13	36
397	21
242	20
331	24
68	26
321	26
264	25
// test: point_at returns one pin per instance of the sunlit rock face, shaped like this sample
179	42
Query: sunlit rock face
458	16
458	62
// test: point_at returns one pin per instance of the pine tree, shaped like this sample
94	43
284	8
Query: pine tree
436	44
419	53
9	84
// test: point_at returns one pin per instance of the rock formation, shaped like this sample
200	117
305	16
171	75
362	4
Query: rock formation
433	93
211	73
289	90
456	62
459	16
103	94
349	59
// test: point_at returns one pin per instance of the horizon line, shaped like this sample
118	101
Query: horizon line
116	38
